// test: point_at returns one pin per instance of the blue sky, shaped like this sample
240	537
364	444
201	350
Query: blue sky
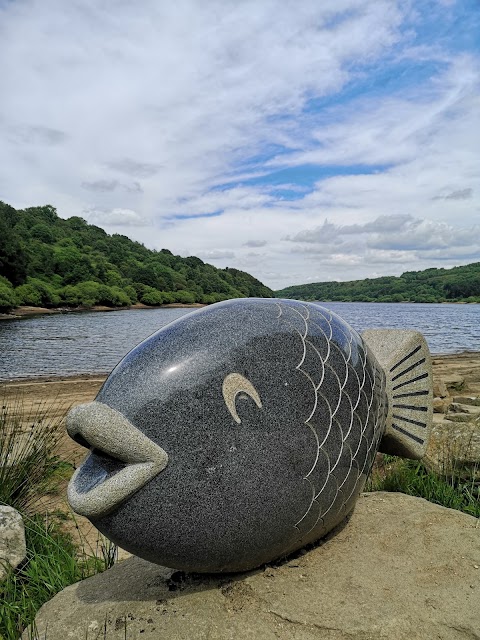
300	141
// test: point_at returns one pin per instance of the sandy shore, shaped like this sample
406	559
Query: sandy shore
23	312
57	395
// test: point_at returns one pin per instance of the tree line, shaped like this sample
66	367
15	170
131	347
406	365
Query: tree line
48	261
459	284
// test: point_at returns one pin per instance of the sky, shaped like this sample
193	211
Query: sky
298	140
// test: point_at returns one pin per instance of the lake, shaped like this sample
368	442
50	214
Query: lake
74	343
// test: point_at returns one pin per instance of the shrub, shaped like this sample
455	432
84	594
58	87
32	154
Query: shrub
219	297
168	297
112	296
131	293
26	294
89	292
8	298
37	293
151	296
185	297
70	295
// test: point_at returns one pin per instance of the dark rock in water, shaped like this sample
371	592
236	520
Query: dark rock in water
243	431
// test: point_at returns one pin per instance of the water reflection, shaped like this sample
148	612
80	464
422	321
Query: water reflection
62	345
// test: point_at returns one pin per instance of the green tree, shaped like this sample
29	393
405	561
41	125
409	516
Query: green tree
151	296
13	261
80	264
8	299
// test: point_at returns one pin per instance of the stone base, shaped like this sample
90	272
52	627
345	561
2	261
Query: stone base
401	568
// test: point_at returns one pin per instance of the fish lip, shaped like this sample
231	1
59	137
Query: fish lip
98	426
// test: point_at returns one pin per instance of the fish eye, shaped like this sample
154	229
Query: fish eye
237	386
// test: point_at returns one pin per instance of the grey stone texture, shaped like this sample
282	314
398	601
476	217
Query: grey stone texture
454	381
440	389
454	447
12	540
470	409
401	568
405	357
268	415
471	401
93	491
440	405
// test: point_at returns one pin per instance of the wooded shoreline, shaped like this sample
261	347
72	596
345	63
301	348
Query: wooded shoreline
25	311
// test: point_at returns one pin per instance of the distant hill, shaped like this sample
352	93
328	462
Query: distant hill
459	284
47	261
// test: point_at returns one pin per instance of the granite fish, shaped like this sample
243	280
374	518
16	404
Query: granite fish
243	431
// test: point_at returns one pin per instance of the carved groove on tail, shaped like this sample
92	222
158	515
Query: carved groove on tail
406	360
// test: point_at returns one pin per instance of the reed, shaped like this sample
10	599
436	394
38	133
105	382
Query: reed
28	441
29	470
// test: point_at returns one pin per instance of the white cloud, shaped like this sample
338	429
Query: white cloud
460	194
425	235
101	185
184	90
165	119
215	254
115	218
35	135
254	244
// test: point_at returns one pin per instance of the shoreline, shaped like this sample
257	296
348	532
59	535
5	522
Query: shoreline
53	396
26	311
56	394
102	375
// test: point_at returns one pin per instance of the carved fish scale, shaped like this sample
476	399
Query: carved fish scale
243	431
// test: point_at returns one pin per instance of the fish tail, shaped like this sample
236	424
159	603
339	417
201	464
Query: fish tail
405	358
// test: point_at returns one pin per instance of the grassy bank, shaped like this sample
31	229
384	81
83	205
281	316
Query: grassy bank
30	469
452	489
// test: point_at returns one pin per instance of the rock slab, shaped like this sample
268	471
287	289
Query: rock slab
13	549
400	568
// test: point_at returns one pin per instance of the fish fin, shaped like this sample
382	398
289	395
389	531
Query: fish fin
406	361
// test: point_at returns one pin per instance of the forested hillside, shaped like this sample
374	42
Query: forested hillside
460	284
48	261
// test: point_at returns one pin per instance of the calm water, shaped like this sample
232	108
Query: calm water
62	345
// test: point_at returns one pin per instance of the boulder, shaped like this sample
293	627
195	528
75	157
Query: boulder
440	405
472	401
459	417
13	549
457	407
454	447
454	381
400	568
439	388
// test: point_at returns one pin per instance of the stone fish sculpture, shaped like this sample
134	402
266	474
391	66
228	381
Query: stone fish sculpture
245	430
